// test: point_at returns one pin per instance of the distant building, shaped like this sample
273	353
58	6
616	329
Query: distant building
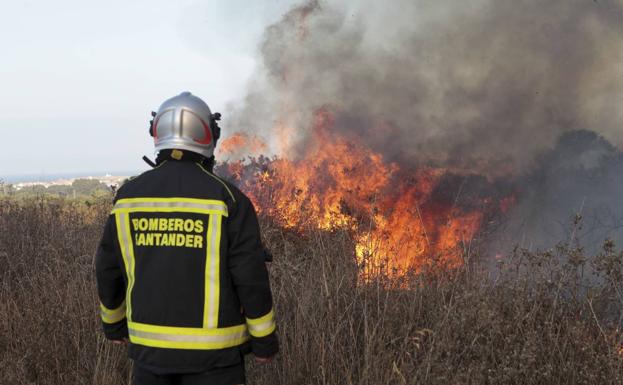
112	181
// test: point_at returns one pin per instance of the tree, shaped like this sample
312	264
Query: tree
62	190
5	189
88	186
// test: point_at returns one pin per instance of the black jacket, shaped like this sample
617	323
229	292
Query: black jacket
181	271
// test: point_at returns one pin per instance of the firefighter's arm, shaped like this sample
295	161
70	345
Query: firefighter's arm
110	284
250	277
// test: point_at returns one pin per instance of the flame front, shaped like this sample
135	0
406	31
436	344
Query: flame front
241	142
396	216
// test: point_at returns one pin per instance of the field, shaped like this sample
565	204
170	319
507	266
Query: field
530	318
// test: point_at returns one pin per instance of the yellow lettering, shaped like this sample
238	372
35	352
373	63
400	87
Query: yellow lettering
188	240
180	240
141	239
143	224
199	226
179	224
164	241
178	232
198	241
188	225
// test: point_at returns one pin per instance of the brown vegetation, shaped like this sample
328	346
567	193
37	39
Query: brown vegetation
545	318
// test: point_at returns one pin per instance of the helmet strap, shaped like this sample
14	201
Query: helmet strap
149	161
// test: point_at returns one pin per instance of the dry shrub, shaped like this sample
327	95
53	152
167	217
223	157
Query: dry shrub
48	312
535	318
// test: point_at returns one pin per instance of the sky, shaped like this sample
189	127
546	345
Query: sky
78	78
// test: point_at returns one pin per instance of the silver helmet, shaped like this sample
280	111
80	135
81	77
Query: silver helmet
185	122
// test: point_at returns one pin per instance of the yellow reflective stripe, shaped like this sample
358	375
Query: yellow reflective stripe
187	338
212	273
171	210
217	268
191	205
207	296
132	266
119	221
127	251
157	343
263	326
174	200
177	330
218	179
111	316
270	316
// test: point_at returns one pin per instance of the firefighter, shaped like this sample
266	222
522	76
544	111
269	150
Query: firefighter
181	270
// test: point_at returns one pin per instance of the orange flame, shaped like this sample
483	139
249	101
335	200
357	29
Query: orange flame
240	143
399	225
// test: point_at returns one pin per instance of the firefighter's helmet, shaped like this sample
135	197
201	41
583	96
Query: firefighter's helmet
185	122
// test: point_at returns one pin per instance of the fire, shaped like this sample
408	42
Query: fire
399	219
240	141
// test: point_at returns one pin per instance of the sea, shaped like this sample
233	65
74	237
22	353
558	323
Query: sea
45	177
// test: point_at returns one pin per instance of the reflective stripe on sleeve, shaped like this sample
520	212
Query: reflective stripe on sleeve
111	316
187	338
203	206
263	326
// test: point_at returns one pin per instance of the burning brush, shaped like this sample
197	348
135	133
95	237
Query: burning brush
400	218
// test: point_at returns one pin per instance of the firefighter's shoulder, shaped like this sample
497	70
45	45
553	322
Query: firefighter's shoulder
127	184
120	190
231	190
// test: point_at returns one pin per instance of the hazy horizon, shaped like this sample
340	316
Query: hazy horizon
49	177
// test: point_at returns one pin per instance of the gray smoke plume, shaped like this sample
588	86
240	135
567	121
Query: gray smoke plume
572	194
480	85
501	88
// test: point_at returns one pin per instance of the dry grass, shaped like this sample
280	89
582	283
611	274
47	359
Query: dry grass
548	318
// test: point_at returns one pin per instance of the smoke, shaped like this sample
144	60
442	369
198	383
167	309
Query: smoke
476	85
572	194
526	92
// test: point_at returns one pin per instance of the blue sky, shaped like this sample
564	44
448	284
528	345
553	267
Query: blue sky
79	78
